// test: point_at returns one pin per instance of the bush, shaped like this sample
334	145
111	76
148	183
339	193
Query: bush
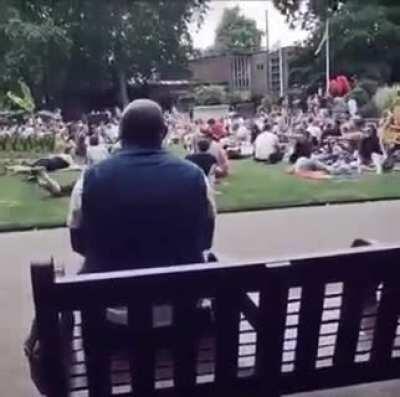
369	111
386	97
266	104
360	95
210	95
370	86
234	97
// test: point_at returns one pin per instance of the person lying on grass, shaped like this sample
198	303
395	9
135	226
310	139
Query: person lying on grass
57	162
52	186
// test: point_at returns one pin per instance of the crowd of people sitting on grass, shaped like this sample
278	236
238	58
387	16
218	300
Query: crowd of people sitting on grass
325	140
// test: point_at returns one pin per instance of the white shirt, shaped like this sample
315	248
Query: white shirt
266	144
95	154
315	132
353	107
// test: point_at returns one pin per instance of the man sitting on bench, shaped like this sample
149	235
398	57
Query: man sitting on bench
142	207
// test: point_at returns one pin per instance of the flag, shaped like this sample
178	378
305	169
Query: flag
324	40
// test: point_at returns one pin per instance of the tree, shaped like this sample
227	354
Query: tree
32	46
67	48
364	37
235	32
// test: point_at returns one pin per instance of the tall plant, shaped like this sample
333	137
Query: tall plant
24	99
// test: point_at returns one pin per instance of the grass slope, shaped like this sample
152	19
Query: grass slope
252	186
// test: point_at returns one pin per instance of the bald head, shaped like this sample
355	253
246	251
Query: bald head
142	124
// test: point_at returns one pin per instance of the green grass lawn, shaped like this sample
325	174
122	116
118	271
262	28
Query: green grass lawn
251	186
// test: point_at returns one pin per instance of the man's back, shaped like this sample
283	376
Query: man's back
143	208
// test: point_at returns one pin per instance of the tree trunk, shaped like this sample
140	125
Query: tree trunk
122	88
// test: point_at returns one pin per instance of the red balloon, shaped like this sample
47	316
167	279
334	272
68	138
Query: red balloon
344	84
334	88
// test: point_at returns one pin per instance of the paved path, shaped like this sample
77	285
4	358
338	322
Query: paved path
242	236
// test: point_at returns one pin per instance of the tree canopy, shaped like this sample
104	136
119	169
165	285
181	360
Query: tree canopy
364	37
61	48
236	32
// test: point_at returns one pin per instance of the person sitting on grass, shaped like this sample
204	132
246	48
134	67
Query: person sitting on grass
267	147
217	150
203	159
304	165
370	151
96	152
307	166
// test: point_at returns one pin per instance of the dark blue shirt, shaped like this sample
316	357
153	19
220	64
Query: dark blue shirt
143	208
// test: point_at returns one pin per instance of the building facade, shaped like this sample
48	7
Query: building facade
259	73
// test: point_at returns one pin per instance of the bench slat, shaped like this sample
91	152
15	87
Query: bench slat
95	338
227	304
386	323
311	308
348	332
141	354
270	340
185	344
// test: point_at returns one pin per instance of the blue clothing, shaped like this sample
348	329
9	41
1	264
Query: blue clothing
143	208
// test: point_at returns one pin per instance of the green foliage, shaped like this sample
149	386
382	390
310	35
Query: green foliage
370	86
360	95
266	104
369	111
364	37
23	100
210	95
237	33
386	97
234	97
62	48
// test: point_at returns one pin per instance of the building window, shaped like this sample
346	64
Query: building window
241	72
260	66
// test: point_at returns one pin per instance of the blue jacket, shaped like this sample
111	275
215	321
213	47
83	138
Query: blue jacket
143	208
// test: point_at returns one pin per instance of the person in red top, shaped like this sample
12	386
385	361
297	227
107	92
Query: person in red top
217	129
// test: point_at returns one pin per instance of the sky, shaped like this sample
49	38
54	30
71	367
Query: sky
279	31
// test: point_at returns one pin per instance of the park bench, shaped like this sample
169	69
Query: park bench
276	328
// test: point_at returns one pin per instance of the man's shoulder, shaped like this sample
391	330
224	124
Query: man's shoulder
185	164
166	159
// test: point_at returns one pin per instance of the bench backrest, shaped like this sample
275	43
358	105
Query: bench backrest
302	324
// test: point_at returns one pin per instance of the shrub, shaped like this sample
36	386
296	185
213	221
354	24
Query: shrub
386	97
370	86
210	95
266	103
234	97
369	111
360	95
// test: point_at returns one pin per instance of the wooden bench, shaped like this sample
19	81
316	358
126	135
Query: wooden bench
278	328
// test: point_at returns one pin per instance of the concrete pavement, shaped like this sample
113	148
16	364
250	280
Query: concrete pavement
241	236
